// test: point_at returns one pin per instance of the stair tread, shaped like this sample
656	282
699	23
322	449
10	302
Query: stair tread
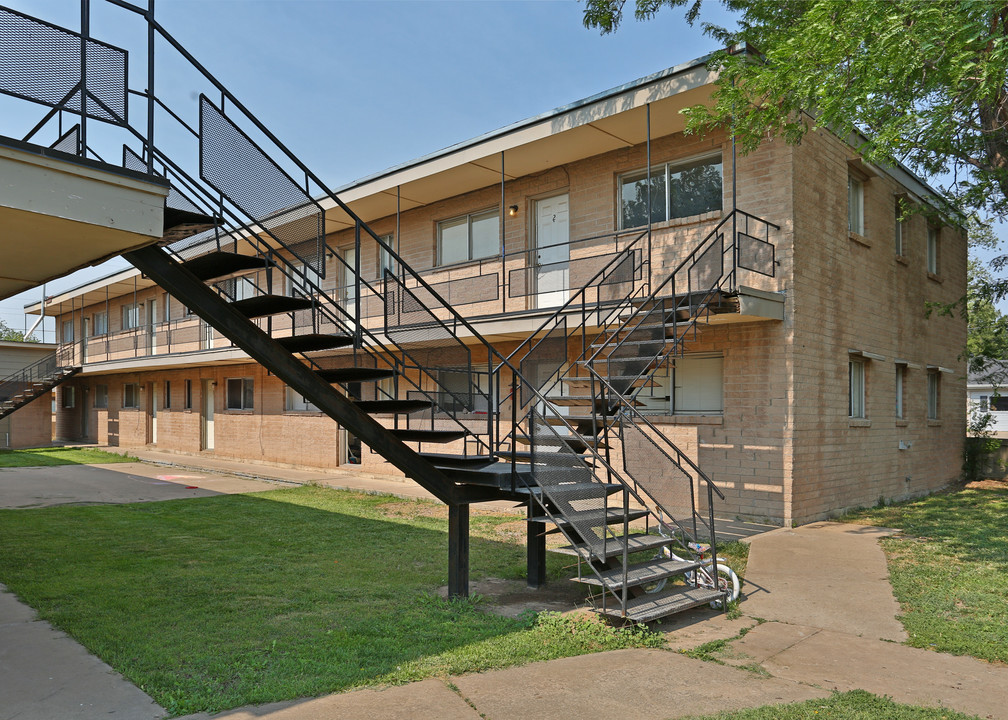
314	341
639	573
612	515
393	406
645	608
262	305
455	460
353	374
636	542
427	435
218	263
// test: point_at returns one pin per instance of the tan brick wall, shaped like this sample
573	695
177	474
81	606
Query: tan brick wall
30	425
855	294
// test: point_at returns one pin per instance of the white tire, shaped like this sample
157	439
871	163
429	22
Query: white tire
728	581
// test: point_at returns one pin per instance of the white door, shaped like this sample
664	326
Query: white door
552	253
153	412
207	415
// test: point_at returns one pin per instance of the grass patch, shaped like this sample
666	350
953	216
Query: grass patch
853	705
949	569
42	457
212	603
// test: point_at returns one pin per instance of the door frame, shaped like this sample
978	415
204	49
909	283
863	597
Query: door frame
207	412
534	246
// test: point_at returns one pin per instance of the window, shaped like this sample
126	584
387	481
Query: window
69	395
901	229
130	316
677	190
131	395
932	249
698	385
468	237
855	205
933	386
385	259
239	393
998	403
856	394
900	375
101	396
99	324
187	396
167	395
167	308
67	331
239	288
461	391
296	402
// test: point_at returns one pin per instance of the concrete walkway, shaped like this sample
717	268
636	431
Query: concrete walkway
824	589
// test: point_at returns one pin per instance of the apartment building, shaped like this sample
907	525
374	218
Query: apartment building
818	384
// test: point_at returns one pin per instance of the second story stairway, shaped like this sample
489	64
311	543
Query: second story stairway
37	379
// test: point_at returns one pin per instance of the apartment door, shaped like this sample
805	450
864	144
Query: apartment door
552	251
152	411
152	326
207	416
84	412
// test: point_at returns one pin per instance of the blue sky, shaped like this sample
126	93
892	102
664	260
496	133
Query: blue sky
356	87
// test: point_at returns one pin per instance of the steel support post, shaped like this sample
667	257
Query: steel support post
458	550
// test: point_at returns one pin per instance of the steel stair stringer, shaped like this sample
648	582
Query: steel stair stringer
183	285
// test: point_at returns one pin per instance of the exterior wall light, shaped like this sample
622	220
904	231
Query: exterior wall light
513	210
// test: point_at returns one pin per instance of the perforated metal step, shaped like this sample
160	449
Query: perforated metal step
645	608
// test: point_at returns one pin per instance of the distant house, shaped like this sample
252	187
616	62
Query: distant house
987	391
30	425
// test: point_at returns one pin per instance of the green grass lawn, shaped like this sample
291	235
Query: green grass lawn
853	705
949	569
213	603
36	457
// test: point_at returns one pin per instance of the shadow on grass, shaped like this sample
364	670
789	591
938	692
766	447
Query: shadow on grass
217	602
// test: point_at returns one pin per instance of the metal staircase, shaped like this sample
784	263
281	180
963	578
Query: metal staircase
374	346
37	379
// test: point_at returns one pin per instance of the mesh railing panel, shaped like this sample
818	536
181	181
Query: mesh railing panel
708	267
633	350
175	199
238	169
568	482
616	280
69	142
42	63
756	254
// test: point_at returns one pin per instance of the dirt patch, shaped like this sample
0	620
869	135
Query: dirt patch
511	598
990	484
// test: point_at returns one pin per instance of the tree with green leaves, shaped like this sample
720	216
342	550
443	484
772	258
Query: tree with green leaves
921	82
11	335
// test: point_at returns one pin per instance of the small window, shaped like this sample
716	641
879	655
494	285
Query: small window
998	403
187	398
302	280
900	376
130	317
855	205
932	249
67	331
101	396
385	259
856	394
131	395
933	394
167	307
901	229
698	384
240	393
677	190
69	395
167	395
983	405
296	402
468	237
99	325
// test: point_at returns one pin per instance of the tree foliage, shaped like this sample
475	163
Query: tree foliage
922	82
11	335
